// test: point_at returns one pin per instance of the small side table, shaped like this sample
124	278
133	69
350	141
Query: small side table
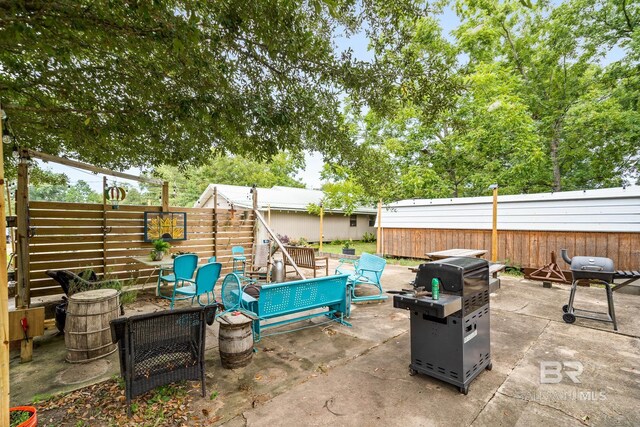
235	339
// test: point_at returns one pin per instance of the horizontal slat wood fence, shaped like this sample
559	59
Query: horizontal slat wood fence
517	248
70	236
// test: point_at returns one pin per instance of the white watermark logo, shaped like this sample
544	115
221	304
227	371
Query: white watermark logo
552	372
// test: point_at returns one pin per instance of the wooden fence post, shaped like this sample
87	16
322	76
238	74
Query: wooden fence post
104	226
379	236
321	225
165	196
254	192
4	304
215	223
494	229
23	294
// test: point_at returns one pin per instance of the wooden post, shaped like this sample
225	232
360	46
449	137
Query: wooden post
494	231
104	226
4	304
254	246
11	235
23	297
321	225
379	236
215	223
269	214
165	196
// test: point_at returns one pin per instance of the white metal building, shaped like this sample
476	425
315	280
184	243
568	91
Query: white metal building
602	210
603	222
287	209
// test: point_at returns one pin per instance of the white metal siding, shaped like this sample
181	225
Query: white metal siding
570	211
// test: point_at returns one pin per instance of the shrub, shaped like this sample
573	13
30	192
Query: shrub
284	239
368	237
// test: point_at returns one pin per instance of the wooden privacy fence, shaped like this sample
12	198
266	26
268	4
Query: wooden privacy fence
517	248
77	236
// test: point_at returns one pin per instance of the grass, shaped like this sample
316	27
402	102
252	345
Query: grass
336	248
370	247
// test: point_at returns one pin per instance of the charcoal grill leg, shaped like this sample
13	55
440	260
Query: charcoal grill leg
572	296
612	312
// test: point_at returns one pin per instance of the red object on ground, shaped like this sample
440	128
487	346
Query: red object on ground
32	421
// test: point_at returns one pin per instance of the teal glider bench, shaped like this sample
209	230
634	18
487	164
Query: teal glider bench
298	297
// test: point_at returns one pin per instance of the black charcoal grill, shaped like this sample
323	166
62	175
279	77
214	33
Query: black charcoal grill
593	269
450	337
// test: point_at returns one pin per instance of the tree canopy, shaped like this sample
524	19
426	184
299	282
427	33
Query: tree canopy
127	84
528	96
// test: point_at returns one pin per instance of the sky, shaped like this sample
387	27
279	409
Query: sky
311	175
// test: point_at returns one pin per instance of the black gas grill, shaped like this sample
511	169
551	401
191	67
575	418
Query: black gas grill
592	269
450	337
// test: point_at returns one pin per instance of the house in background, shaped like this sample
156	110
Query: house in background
287	209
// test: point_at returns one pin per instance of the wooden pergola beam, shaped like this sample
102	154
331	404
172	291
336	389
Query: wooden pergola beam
76	164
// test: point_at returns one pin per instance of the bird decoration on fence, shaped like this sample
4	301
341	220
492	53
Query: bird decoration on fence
115	195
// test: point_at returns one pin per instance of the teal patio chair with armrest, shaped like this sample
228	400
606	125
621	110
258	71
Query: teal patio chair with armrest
367	270
183	268
206	278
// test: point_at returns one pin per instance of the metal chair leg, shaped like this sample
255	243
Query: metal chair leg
612	312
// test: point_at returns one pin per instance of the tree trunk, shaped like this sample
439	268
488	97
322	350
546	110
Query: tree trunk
555	164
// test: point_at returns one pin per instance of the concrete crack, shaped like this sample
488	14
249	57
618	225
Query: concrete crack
326	405
524	353
581	421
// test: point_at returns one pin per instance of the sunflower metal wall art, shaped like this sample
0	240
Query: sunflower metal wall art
165	225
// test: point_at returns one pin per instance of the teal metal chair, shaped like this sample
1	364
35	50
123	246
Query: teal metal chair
367	270
206	278
211	259
239	260
183	268
231	295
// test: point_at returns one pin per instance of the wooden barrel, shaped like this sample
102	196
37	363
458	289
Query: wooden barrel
235	340
87	333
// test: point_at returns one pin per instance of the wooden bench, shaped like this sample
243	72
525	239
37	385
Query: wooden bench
299	296
494	269
306	258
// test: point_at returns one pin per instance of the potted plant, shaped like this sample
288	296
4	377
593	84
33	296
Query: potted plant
23	416
347	249
160	247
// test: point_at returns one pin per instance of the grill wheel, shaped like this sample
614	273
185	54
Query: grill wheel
568	317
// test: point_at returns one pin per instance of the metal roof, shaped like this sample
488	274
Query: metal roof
277	198
601	210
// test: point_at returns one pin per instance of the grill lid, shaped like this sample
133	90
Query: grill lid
592	264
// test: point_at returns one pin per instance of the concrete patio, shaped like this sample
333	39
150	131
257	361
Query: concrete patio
335	375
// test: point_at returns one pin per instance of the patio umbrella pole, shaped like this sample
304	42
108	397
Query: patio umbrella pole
4	302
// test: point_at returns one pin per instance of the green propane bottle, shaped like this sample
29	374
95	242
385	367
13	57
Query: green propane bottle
435	288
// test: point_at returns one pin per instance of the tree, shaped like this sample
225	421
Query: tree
80	192
126	84
519	98
561	75
189	183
